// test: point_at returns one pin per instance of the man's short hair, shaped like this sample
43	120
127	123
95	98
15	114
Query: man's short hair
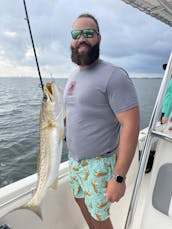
87	15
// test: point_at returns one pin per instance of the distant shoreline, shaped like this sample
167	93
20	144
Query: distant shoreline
146	77
55	77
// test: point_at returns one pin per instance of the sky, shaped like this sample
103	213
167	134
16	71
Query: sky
130	39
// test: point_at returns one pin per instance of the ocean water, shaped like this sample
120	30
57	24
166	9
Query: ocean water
20	100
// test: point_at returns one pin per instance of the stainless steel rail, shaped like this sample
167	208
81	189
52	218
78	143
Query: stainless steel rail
150	134
161	135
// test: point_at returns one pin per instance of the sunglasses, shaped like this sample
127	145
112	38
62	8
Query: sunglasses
87	33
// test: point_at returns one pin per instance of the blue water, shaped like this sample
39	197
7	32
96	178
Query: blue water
19	122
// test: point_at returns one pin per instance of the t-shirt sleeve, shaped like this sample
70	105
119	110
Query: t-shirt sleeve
121	92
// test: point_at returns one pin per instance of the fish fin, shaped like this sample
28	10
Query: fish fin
54	184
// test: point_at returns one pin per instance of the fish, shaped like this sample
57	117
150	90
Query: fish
51	142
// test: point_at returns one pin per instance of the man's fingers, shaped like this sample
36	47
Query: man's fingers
111	199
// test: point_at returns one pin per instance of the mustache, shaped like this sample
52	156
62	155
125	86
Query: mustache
83	43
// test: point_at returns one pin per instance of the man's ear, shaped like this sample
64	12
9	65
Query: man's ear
99	37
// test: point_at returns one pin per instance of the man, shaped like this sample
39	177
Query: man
102	118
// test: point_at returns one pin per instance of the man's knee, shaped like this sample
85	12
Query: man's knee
102	224
80	201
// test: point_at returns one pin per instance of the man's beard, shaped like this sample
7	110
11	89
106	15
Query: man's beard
86	58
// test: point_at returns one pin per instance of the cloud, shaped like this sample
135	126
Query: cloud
130	38
10	34
29	53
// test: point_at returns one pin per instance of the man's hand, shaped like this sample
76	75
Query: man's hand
115	191
164	120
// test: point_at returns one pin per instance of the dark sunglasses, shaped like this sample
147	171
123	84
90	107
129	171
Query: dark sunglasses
87	33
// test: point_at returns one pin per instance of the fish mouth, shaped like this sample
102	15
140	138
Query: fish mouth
49	91
49	88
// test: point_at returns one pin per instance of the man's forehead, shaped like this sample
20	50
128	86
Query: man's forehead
84	22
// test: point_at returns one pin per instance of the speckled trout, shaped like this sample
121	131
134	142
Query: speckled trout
51	142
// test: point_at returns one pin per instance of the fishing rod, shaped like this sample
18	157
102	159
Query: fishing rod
33	46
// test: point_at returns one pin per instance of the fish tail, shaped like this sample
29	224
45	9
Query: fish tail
34	208
31	207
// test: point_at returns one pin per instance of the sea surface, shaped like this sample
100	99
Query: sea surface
20	100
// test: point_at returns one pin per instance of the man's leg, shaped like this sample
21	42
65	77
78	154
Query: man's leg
89	180
92	223
85	212
102	224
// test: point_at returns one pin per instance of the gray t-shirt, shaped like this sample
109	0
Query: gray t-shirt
92	97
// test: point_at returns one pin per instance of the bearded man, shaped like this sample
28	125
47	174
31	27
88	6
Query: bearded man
102	120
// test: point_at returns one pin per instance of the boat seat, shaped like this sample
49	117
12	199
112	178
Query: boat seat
158	202
162	193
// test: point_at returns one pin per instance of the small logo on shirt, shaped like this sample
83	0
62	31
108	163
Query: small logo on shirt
71	88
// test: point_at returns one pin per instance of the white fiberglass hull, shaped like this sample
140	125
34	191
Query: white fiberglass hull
60	210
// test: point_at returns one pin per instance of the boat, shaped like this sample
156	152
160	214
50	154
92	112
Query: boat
147	202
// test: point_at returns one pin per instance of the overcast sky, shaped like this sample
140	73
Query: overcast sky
130	38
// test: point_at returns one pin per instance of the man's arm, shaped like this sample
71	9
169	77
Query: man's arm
129	121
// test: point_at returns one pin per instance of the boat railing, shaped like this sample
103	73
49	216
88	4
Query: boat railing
151	133
17	197
24	189
162	136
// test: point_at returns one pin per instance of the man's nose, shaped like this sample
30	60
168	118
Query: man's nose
82	38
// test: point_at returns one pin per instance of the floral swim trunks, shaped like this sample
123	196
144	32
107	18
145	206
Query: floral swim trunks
89	179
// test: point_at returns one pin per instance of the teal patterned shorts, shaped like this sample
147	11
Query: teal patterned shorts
89	180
